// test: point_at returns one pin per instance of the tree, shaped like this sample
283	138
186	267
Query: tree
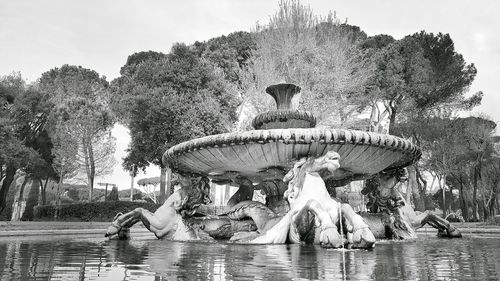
18	133
456	151
491	179
229	53
418	78
421	73
65	154
149	185
479	149
170	98
31	110
81	101
319	54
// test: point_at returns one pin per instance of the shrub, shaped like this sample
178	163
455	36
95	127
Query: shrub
94	211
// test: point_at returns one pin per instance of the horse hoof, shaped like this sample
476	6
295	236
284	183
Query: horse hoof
363	239
330	238
454	233
442	233
364	244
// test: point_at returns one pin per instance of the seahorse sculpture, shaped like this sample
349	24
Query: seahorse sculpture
391	217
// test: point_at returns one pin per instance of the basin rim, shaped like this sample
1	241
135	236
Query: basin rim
299	136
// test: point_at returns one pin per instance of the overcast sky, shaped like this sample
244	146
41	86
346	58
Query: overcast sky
36	36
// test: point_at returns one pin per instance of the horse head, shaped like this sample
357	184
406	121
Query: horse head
324	165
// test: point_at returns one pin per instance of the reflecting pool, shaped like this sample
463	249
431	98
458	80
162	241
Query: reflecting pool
148	259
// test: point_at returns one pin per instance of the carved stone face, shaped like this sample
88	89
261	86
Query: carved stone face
403	176
191	198
329	162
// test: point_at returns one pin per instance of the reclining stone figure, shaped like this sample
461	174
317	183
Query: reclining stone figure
391	217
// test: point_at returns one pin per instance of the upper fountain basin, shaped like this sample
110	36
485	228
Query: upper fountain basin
263	155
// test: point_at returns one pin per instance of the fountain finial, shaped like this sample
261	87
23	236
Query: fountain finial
284	117
283	94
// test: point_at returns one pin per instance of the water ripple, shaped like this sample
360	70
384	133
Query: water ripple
425	259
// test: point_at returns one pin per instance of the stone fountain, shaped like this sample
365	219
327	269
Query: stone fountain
282	137
289	160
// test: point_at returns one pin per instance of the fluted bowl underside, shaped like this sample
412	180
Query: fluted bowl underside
262	155
284	119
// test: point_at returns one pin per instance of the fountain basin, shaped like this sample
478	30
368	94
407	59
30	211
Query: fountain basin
263	155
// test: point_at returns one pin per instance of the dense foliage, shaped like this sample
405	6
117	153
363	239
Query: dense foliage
166	99
23	134
80	122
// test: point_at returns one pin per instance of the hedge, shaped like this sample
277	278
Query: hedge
94	211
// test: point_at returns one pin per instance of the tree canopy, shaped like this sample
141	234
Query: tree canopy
166	99
419	74
80	112
23	134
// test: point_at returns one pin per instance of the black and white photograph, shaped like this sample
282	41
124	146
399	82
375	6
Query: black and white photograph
249	140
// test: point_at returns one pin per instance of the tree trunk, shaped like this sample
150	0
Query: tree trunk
92	169
373	118
378	116
444	195
21	189
163	182
169	185
494	204
17	209
475	213
44	194
477	176
392	119
343	117
89	166
422	188
414	188
58	201
10	172
498	200
131	187
463	201
40	195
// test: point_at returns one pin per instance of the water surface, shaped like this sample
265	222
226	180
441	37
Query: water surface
149	259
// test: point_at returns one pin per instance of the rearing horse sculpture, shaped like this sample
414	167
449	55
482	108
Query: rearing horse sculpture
307	193
314	217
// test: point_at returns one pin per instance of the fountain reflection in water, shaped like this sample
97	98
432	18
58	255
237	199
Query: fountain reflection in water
427	259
